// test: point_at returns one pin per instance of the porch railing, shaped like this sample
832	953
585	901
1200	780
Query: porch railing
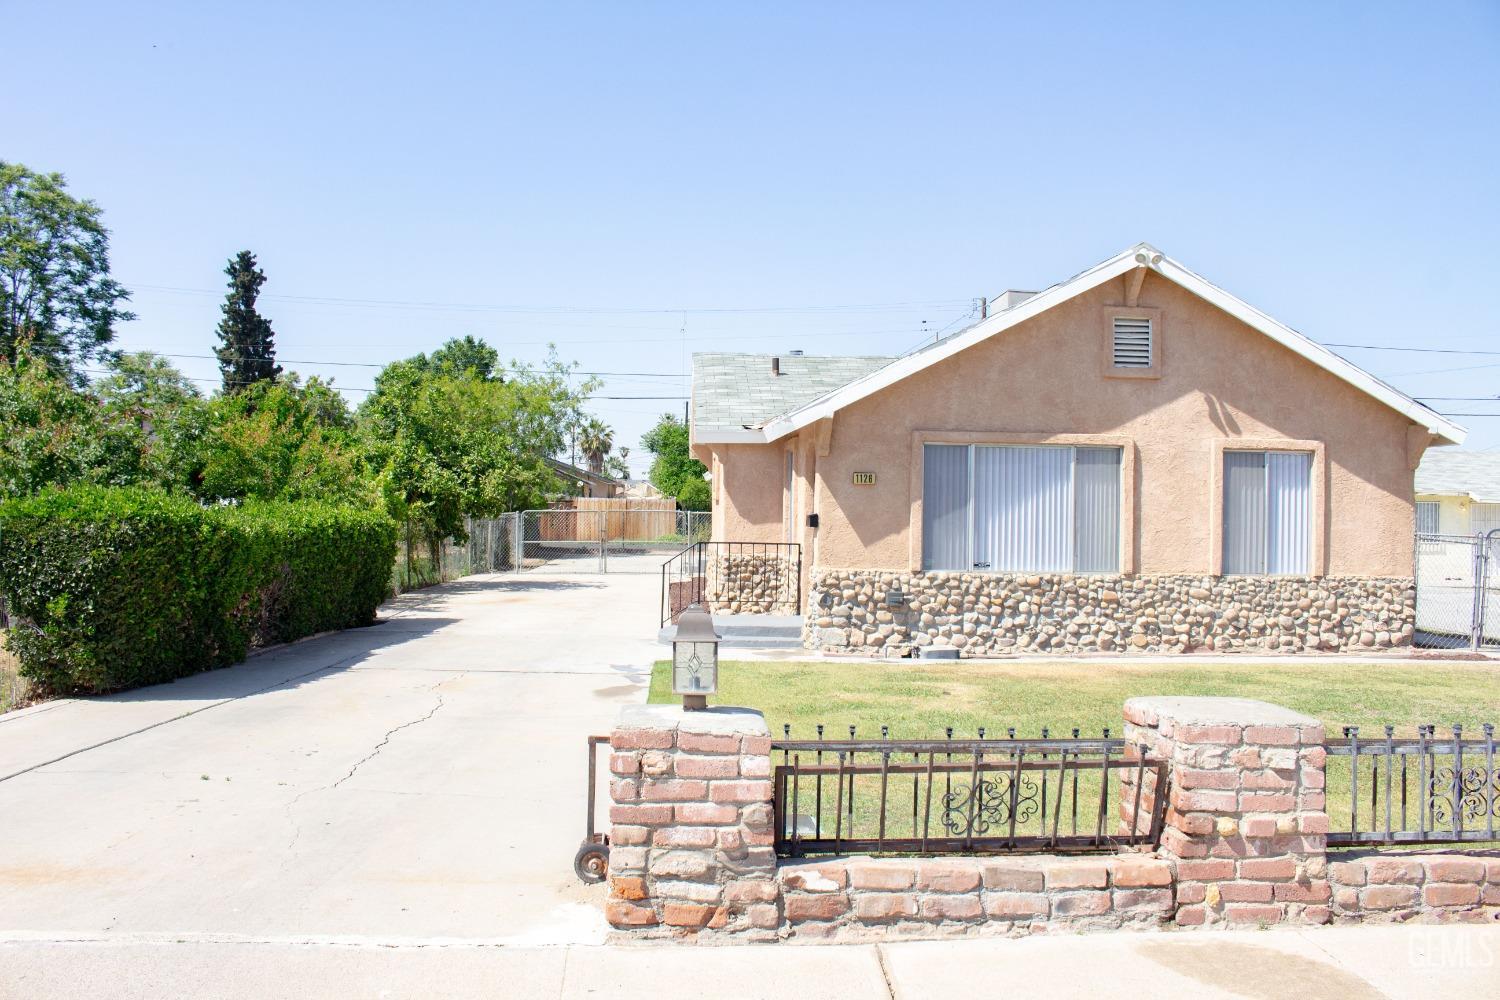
1433	789
964	796
744	577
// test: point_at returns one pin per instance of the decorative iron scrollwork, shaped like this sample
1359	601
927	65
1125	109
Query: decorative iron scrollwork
1471	795
993	807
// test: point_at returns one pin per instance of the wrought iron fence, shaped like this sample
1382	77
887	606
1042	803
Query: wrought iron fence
734	578
1430	789
1458	590
954	796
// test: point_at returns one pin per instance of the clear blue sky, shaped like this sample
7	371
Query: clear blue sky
609	176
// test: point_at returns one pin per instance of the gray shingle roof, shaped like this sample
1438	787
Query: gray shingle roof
731	391
1450	472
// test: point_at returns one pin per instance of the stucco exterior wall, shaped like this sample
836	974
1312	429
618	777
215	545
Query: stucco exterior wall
1220	384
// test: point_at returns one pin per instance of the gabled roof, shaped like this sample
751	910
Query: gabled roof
1140	255
733	392
1448	472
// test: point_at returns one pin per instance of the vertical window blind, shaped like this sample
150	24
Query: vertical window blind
1267	512
1015	508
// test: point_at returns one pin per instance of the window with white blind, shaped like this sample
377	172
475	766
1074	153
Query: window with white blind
1267	512
1132	342
1427	517
1018	508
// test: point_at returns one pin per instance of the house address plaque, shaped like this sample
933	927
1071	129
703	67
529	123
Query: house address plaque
864	479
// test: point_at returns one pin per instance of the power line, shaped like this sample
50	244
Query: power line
374	364
557	310
355	388
1415	350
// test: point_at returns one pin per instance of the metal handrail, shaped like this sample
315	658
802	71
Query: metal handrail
690	567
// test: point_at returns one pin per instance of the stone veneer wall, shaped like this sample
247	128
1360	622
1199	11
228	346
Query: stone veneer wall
987	614
763	584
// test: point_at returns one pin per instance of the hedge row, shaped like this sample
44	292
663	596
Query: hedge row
115	588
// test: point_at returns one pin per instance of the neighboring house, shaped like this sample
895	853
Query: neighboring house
1458	492
1132	458
583	483
642	489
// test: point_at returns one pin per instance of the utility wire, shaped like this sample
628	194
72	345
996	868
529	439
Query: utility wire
346	388
560	310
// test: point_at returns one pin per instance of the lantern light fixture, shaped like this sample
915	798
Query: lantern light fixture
695	658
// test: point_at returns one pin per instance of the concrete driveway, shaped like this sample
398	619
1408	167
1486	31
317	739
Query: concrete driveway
420	779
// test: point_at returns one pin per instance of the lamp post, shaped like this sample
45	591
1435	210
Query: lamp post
695	658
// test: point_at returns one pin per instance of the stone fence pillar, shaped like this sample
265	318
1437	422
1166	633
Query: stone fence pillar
1245	817
691	823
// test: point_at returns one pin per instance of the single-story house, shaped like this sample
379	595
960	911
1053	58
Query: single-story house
1130	459
577	482
1458	492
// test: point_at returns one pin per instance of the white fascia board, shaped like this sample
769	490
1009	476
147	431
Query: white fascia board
913	363
1312	351
1446	430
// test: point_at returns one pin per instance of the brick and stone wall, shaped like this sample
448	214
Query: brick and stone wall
856	898
690	823
1395	887
1246	822
1243	843
989	614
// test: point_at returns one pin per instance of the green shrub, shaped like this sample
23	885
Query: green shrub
694	495
115	588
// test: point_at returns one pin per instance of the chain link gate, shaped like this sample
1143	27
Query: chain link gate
1458	590
605	541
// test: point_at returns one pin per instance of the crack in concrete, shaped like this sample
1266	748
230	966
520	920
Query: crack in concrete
387	738
292	802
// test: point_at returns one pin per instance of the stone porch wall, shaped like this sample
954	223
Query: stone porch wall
995	614
752	584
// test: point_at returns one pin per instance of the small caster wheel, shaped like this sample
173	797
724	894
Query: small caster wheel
591	863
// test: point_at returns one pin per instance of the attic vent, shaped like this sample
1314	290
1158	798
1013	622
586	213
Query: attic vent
1132	342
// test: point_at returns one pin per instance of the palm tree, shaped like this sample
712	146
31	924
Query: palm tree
595	439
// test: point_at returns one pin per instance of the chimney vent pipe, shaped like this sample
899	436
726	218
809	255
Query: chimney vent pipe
775	366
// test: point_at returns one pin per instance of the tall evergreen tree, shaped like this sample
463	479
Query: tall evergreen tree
247	347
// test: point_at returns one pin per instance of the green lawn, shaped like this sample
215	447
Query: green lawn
917	700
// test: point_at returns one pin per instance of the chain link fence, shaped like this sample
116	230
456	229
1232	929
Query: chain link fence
492	547
1458	591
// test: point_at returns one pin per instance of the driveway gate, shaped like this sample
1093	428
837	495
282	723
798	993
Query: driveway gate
606	541
1458	590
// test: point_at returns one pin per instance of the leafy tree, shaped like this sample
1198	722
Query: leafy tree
456	357
449	443
595	439
56	294
167	414
674	466
247	348
283	440
56	435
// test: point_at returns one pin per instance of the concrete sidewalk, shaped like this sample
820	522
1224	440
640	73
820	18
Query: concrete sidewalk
1354	963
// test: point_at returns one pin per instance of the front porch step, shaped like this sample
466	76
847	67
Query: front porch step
752	631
